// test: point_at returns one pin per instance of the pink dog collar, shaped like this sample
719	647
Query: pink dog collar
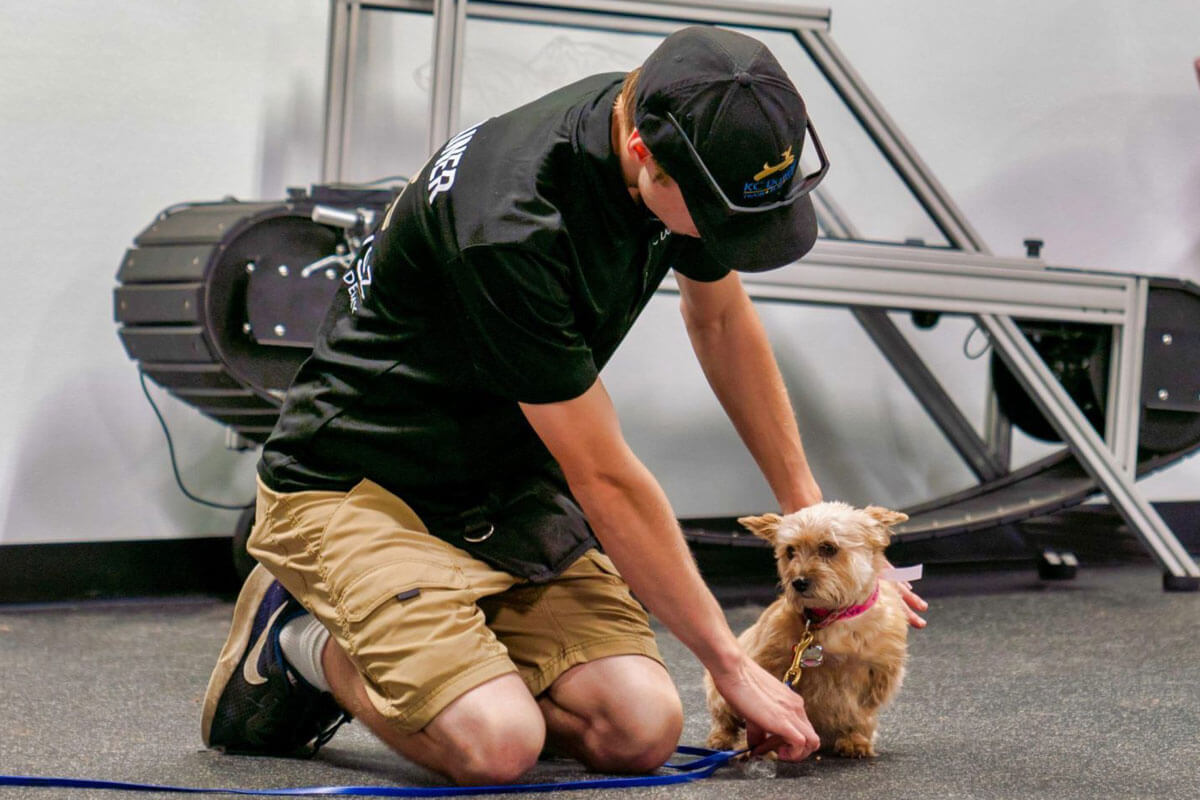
823	617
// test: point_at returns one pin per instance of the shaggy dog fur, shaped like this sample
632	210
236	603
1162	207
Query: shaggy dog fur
829	557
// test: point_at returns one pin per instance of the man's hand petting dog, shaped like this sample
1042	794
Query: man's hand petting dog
774	715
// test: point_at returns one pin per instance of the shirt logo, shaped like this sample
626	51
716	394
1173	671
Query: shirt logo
445	166
358	277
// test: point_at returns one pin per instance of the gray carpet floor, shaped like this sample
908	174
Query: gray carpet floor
1017	689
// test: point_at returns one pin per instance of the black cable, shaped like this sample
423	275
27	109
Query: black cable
171	450
987	343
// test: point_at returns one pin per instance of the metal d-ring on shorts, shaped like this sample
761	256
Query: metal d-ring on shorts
424	621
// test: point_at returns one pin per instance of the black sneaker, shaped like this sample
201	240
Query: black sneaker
256	703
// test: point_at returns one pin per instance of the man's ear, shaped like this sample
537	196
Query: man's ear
636	146
764	527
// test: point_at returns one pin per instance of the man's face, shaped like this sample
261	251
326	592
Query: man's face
665	201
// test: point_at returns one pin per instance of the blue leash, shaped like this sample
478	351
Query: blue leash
706	763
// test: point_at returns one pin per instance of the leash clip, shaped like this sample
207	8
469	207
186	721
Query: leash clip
804	654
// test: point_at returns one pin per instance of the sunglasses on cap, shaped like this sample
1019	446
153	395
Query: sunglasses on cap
799	188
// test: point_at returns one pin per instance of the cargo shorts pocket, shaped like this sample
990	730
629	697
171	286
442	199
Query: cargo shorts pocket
418	639
398	581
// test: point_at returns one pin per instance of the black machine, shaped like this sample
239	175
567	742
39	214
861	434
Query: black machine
219	302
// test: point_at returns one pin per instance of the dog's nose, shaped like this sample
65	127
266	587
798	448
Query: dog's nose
801	585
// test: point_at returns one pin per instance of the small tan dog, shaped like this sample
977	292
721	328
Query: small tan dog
829	558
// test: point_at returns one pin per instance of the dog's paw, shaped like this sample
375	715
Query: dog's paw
854	745
723	740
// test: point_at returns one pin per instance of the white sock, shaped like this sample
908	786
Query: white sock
302	640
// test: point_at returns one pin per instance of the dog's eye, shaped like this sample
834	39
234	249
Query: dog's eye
790	552
827	550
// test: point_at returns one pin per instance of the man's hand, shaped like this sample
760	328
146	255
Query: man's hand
774	714
633	520
913	603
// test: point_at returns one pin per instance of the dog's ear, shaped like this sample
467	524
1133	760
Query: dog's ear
764	527
881	537
885	516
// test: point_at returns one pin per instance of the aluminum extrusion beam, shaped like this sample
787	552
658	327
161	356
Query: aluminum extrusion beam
832	217
958	430
391	5
449	23
862	275
679	8
1124	391
566	18
345	20
920	180
337	67
1085	443
859	274
632	16
659	17
895	148
997	428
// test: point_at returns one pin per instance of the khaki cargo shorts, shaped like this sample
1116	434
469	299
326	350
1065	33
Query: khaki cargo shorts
424	621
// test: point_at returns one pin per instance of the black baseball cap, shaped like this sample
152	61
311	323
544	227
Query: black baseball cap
721	116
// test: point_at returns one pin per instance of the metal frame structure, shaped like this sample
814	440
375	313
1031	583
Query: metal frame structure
867	278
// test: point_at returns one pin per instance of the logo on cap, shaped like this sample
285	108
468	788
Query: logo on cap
771	169
771	177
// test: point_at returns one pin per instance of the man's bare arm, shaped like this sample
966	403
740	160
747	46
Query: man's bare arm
634	522
736	357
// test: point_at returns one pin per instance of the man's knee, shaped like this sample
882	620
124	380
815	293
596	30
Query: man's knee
500	751
492	742
629	711
635	731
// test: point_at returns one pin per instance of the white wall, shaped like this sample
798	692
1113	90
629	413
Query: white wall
1077	122
110	112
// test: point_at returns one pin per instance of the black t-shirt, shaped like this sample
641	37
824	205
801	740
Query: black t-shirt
508	271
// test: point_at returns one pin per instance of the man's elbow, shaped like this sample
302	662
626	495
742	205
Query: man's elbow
600	485
597	484
706	327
